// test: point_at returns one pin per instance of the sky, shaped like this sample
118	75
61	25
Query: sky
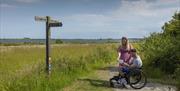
85	19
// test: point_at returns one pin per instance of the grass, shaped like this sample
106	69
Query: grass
22	67
95	81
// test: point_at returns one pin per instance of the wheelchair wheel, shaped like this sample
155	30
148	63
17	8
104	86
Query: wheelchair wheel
137	79
113	81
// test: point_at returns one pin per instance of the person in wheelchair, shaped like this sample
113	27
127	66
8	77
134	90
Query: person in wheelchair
134	63
129	69
136	60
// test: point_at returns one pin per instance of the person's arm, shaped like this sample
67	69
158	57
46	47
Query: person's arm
136	63
132	66
125	64
119	55
131	61
131	46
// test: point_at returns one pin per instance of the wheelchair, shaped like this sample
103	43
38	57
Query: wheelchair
136	78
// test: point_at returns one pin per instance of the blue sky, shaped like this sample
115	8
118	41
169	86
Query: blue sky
85	19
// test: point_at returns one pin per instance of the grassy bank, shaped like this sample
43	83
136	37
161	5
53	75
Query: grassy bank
22	67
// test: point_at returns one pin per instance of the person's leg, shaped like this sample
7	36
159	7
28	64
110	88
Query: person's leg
125	70
121	70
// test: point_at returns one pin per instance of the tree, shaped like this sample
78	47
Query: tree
173	26
59	41
162	49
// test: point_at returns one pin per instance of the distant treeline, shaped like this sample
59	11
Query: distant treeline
59	41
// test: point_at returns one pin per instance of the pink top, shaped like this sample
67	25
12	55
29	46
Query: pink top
125	55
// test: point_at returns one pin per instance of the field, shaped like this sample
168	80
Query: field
22	67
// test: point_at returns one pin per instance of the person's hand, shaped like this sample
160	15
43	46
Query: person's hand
125	64
121	61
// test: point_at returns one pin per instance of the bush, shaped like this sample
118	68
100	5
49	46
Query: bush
161	50
59	41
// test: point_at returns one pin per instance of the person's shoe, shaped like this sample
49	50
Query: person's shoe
124	86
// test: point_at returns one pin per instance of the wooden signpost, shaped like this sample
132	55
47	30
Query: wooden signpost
49	23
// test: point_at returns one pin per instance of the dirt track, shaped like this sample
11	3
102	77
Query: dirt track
149	86
99	81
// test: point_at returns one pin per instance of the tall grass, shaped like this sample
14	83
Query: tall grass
22	67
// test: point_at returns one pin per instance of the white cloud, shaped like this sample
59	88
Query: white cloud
92	20
140	8
3	5
138	17
129	10
27	1
148	9
11	5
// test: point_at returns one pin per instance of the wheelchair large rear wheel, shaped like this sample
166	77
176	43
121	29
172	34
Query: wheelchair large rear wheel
137	80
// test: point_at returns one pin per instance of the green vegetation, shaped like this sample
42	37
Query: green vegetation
59	41
27	41
161	51
22	67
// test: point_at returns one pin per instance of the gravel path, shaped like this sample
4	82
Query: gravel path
99	81
149	86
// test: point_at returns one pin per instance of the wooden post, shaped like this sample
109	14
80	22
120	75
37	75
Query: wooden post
48	35
49	23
